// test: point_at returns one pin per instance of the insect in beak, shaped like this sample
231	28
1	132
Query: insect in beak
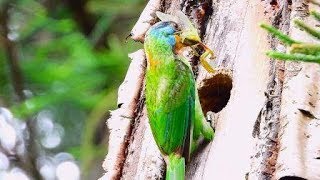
188	36
207	53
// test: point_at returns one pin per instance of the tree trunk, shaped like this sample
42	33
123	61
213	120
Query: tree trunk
266	113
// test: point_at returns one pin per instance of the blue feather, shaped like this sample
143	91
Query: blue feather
165	31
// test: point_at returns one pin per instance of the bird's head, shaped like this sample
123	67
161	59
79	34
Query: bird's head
183	33
166	31
184	30
179	32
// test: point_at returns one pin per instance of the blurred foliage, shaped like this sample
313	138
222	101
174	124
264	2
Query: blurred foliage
71	73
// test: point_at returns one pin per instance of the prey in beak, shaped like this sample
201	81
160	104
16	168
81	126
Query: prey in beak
187	36
207	53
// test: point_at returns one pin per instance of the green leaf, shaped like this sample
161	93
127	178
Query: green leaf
280	35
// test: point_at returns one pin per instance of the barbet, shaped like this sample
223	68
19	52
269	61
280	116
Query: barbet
173	106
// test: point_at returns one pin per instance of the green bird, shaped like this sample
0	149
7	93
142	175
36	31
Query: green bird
174	111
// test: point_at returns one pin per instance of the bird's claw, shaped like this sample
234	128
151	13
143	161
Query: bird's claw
211	117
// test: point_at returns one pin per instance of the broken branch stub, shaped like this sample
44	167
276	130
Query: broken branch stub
145	21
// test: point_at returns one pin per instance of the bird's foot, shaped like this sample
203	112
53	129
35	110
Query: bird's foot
211	118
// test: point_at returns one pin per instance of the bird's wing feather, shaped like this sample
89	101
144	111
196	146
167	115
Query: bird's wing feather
170	98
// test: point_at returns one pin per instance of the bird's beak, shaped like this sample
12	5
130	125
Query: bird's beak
188	36
192	39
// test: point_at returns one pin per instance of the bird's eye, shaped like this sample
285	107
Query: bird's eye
175	25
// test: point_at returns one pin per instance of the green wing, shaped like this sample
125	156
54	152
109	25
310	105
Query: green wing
170	98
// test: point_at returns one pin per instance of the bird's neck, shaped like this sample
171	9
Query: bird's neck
158	52
179	46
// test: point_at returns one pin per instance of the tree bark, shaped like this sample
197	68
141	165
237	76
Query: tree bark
266	113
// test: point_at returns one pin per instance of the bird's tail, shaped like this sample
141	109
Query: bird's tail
175	168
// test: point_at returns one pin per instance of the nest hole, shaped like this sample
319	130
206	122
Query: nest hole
292	178
214	92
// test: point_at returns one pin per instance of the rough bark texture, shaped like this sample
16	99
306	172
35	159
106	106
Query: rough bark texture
300	109
266	113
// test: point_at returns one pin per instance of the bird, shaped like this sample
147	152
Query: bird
172	102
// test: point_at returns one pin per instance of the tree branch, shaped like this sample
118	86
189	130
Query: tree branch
12	54
28	162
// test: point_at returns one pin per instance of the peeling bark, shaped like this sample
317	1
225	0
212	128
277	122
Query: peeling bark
145	21
121	120
266	113
145	161
300	108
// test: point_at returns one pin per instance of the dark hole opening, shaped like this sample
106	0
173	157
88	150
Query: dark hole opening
215	92
292	178
119	105
274	3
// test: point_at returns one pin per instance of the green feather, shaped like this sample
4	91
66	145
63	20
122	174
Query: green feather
176	168
170	98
